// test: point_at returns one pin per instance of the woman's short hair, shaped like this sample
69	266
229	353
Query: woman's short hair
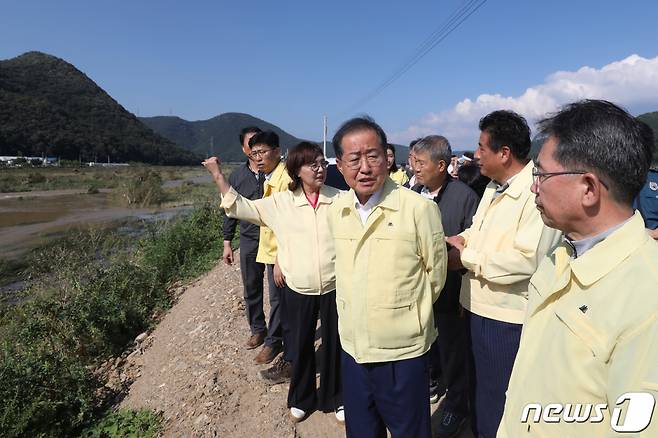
303	153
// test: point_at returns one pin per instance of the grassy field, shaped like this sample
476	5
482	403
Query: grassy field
25	179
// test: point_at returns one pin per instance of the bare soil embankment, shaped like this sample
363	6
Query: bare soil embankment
196	371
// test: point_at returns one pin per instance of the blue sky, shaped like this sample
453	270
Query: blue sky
290	62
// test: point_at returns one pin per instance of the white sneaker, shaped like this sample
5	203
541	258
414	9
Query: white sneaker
297	414
340	414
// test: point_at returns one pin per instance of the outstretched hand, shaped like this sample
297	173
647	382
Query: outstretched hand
213	165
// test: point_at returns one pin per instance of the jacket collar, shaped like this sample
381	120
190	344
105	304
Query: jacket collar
277	173
520	182
610	252
389	199
299	197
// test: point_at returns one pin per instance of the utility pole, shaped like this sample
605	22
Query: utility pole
324	135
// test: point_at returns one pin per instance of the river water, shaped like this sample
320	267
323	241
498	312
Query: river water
30	219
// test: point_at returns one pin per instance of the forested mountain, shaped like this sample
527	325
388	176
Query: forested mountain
218	136
49	107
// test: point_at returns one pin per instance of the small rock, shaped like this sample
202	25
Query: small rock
139	339
201	419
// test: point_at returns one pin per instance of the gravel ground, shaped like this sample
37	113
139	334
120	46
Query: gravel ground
193	367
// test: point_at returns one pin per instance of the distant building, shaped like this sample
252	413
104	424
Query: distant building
95	164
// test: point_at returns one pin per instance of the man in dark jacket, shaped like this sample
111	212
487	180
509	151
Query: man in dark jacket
457	203
248	182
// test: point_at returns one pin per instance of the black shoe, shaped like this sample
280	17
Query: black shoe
450	426
436	391
280	372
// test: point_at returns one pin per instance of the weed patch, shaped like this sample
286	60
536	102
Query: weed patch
126	423
87	303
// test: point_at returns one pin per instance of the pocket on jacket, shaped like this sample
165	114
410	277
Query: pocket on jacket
582	328
394	325
397	254
344	320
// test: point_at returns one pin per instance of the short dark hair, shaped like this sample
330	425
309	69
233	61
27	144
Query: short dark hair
412	143
354	125
603	138
507	128
248	130
268	138
304	153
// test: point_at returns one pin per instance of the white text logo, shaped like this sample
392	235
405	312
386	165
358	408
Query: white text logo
638	412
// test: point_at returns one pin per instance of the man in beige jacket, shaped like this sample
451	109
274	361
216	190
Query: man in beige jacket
500	250
588	361
390	268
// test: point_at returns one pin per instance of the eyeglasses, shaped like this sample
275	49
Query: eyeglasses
542	176
371	159
260	153
318	164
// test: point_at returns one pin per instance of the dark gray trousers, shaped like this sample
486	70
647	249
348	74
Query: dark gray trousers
279	332
252	281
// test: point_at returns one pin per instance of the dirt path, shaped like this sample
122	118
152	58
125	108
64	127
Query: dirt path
195	370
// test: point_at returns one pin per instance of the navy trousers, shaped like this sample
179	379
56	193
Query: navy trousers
393	395
494	345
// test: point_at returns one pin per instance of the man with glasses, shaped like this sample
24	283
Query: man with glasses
500	250
390	268
266	154
248	182
590	335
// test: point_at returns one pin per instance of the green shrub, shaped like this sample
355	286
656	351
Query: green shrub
143	189
186	247
126	423
45	391
88	302
36	178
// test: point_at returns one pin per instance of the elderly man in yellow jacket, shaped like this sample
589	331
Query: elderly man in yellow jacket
500	250
390	268
588	361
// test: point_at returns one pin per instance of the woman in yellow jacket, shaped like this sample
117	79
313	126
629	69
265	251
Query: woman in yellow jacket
306	256
396	173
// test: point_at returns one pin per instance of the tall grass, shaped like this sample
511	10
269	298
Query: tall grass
90	303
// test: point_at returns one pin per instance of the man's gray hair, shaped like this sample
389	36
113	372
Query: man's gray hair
437	146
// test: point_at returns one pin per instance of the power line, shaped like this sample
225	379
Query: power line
442	32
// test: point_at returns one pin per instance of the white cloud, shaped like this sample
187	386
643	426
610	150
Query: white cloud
631	82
